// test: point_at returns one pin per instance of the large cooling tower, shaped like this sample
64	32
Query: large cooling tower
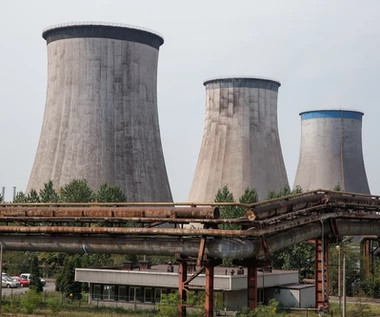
240	146
331	151
101	121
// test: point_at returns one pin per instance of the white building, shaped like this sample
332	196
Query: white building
142	289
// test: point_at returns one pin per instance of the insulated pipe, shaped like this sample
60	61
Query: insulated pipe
215	248
126	212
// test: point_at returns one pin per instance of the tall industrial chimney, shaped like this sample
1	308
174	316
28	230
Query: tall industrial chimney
101	120
240	146
331	151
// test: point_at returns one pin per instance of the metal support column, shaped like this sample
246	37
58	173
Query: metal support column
182	275
321	274
252	287
209	300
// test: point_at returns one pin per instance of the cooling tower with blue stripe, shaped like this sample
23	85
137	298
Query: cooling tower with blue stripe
331	151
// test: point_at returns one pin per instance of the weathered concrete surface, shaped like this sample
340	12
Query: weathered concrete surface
101	120
331	151
240	146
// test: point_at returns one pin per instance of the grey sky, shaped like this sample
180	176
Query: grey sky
325	53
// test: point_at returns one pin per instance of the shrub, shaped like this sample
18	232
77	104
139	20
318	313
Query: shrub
30	301
54	305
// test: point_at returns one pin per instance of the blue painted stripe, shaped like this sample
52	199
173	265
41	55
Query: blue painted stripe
331	114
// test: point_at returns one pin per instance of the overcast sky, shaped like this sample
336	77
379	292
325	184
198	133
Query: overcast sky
325	53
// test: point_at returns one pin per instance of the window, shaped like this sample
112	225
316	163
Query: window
109	292
148	296
158	293
135	294
97	292
123	291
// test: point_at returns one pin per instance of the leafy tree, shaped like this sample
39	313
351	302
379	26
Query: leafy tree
110	194
77	191
286	191
168	306
15	262
65	281
33	197
20	197
352	269
1	198
35	276
337	188
48	193
300	257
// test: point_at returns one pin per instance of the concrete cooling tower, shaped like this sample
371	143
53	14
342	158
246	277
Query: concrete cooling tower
240	146
101	120
331	151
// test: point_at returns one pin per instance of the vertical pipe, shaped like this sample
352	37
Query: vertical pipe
344	285
209	302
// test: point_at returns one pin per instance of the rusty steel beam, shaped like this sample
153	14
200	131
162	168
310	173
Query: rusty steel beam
209	291
321	274
252	289
124	212
182	277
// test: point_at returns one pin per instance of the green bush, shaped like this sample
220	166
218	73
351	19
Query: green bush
30	301
261	310
55	305
168	307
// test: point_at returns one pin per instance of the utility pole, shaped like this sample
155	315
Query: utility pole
1	272
339	281
344	285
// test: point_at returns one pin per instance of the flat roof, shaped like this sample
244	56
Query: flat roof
218	270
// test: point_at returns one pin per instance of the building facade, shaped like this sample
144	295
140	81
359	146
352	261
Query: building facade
142	289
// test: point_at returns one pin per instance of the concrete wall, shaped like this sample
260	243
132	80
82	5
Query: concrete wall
240	146
298	297
331	151
101	120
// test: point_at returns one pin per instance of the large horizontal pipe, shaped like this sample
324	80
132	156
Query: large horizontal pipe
215	248
121	220
281	226
157	212
282	207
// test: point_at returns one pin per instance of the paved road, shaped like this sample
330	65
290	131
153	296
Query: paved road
50	286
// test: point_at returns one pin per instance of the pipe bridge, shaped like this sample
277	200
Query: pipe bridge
160	229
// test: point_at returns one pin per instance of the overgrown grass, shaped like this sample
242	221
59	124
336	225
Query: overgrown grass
52	305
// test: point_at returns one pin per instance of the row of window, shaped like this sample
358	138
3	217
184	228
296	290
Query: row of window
129	293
